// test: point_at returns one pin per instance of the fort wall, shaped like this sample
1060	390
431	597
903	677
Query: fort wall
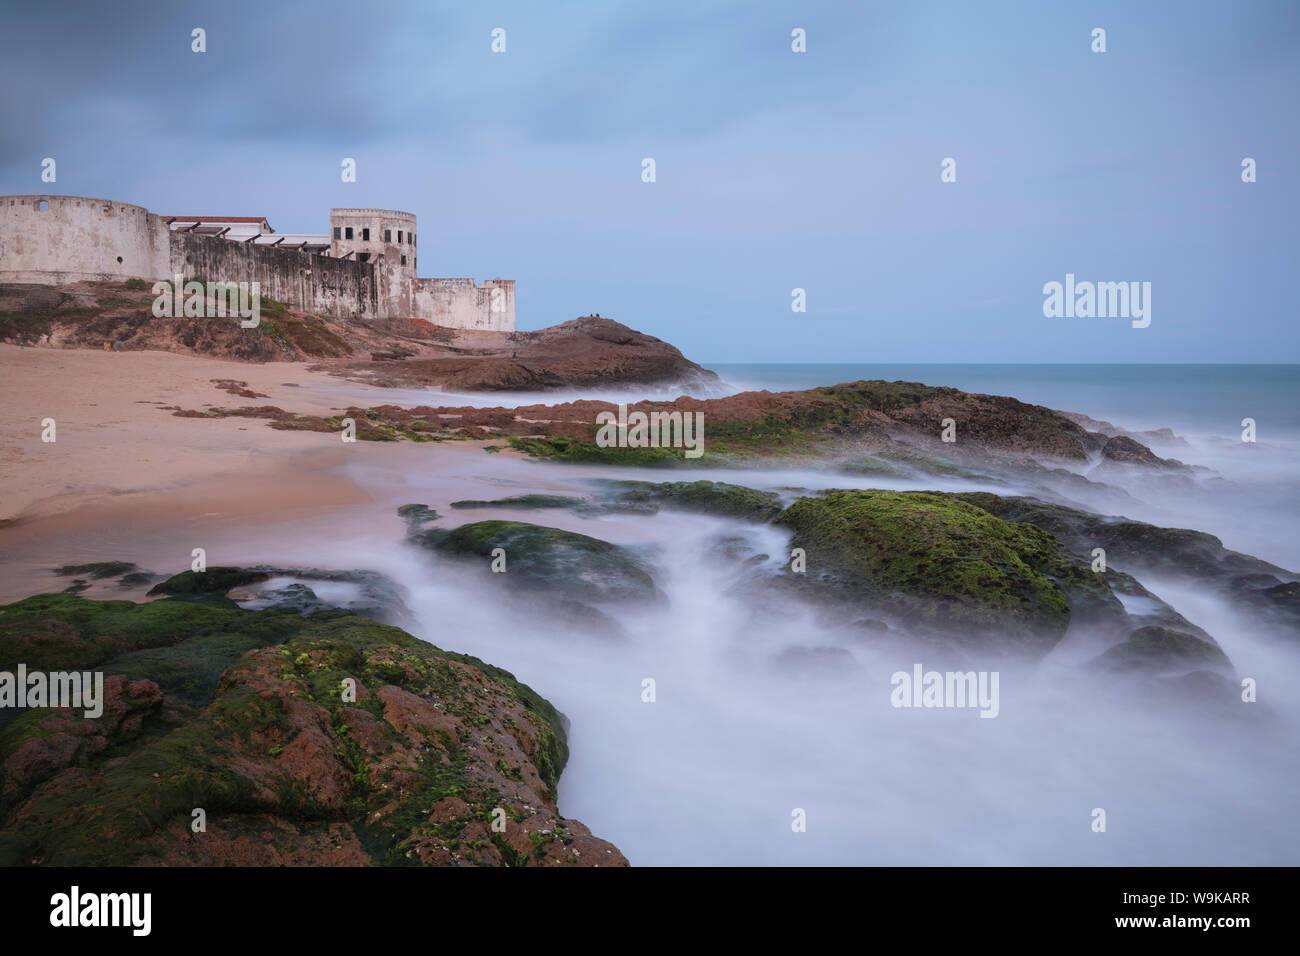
58	239
462	304
54	240
338	288
386	239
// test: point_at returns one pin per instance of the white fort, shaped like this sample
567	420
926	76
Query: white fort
364	268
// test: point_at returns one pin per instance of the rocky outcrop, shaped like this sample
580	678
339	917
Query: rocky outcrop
376	596
889	429
971	570
585	352
707	497
901	421
521	502
1162	436
1123	452
588	352
573	570
1131	452
560	578
1142	549
1159	650
325	740
939	565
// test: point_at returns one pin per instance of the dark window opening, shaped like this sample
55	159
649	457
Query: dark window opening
399	235
403	260
338	233
365	234
363	257
388	235
348	233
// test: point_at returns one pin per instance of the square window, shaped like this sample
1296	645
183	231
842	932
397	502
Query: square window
338	233
42	206
347	233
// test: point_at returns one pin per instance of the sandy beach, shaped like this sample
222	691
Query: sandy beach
124	471
115	436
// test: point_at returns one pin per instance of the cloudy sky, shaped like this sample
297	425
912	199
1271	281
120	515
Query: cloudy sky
775	170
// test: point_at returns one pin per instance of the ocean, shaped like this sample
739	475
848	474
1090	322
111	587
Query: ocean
737	740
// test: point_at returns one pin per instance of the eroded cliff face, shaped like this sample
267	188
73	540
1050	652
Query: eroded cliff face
322	740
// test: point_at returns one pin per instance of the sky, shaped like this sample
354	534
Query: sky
774	170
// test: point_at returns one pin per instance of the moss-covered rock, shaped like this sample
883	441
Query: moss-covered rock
523	502
377	596
940	563
97	569
708	497
1161	650
1143	548
250	717
575	451
217	580
552	560
829	422
416	515
1129	543
61	632
868	468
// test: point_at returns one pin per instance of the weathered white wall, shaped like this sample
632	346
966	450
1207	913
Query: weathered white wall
462	304
78	239
395	279
339	288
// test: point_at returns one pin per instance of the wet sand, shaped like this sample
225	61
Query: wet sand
126	479
113	435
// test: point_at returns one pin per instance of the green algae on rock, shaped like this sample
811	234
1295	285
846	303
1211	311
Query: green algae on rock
1249	582
708	497
828	422
526	502
328	740
1158	650
541	558
942	563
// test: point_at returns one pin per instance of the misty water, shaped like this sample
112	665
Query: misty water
737	739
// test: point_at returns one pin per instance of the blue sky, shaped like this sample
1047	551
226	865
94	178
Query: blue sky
775	170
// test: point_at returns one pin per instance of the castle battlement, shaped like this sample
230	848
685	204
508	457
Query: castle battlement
373	212
364	268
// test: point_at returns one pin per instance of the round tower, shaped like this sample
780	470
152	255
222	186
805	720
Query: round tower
387	239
